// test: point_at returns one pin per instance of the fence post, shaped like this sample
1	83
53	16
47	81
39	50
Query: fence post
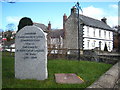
11	51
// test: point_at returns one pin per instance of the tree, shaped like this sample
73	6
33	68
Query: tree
117	28
9	1
10	27
25	21
1	33
117	38
105	48
8	35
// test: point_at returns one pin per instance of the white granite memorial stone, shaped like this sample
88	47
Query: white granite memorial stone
31	54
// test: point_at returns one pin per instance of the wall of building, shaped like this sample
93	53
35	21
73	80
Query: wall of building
55	42
71	33
94	37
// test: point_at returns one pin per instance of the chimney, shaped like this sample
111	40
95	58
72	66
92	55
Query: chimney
64	20
73	10
104	20
49	26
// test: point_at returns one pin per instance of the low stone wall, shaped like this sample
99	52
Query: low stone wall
108	79
99	56
104	59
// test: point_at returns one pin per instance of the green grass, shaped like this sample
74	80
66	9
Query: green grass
89	71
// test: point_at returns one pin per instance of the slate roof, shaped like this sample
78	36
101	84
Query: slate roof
56	33
42	26
94	23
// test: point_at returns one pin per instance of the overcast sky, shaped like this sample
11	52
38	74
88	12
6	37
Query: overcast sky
43	12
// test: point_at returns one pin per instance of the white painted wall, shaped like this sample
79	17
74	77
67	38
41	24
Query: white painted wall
57	42
93	37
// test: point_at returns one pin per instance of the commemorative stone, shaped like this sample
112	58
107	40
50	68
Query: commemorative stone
31	54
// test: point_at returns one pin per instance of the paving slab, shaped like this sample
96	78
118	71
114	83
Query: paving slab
70	78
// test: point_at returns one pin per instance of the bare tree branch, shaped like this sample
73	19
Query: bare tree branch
9	1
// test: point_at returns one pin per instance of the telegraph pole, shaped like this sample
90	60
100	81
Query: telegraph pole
78	7
78	16
78	33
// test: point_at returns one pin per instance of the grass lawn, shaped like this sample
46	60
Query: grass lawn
89	71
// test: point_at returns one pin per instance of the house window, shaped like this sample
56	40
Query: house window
109	45
109	35
99	33
100	45
104	34
88	44
94	32
87	31
94	43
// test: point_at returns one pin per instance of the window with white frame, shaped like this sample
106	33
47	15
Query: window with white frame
88	44
93	32
99	33
109	45
94	43
104	34
100	45
87	31
109	36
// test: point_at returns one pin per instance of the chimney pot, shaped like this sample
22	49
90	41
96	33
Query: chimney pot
73	10
49	26
64	20
104	20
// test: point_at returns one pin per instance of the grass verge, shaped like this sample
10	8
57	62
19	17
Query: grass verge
88	71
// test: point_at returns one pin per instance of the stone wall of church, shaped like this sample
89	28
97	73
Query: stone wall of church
70	40
71	33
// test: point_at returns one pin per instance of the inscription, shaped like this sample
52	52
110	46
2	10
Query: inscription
31	54
29	43
30	37
29	48
29	40
32	33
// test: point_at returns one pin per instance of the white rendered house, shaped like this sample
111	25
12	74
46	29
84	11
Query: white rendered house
93	33
97	38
